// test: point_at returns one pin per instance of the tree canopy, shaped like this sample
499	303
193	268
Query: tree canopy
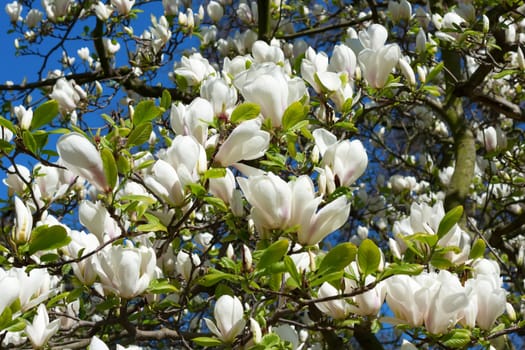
263	175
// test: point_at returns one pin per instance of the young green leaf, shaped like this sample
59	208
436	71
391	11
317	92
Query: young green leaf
110	167
292	270
338	258
44	114
478	249
207	341
47	238
140	134
145	111
273	253
245	111
449	220
368	257
165	100
293	115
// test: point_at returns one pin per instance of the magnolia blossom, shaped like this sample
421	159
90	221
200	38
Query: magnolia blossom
375	58
347	159
314	69
55	9
41	330
123	6
222	96
267	85
188	157
33	18
215	11
424	218
102	10
343	60
315	224
37	285
83	243
10	287
83	159
23	222
95	217
13	10
24	116
67	94
338	309
166	183
492	138
368	303
186	264
246	142
223	187
262	52
126	271
6	134
400	11
270	198
229	321
194	69
490	297
193	119
277	204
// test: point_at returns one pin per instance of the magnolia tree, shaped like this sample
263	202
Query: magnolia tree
263	175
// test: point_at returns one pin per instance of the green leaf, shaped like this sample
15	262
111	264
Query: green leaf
478	249
449	220
215	173
30	142
334	276
273	253
338	258
197	189
440	261
140	134
165	100
245	111
292	270
17	325
110	167
5	146
368	258
161	286
293	115
48	238
215	276
6	318
153	224
139	198
7	124
145	111
44	114
457	338
402	269
46	258
435	71
217	203
207	341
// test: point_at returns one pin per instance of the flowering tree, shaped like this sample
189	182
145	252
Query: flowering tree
264	175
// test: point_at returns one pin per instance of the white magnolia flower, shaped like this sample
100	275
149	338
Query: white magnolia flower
126	271
229	321
41	330
13	10
123	6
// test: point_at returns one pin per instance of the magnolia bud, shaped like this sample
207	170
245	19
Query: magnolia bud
246	258
486	24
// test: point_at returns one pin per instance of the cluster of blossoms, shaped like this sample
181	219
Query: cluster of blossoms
243	192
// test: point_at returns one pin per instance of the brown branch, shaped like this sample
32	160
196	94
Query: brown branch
324	29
